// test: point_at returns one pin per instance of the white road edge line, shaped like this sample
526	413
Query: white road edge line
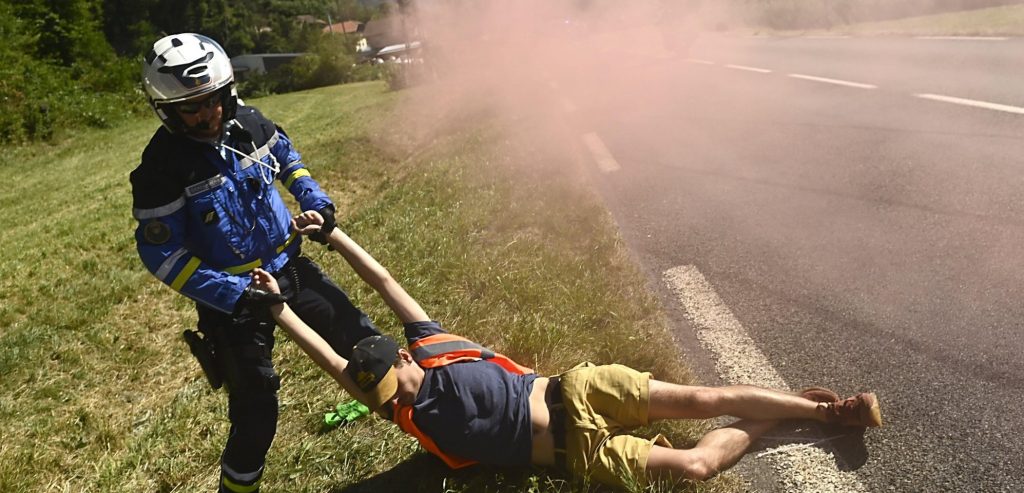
964	38
702	62
826	80
602	156
973	102
739	361
750	69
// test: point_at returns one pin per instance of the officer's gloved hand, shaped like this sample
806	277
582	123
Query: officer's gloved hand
328	225
254	297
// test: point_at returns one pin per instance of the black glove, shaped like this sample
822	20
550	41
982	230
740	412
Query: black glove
328	226
254	297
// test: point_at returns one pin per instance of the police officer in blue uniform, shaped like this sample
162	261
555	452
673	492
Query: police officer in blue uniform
208	213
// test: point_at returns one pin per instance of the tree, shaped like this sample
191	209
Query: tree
127	25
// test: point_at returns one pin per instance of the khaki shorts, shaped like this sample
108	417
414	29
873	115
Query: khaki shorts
601	404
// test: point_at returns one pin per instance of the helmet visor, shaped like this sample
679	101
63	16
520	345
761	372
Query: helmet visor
193	107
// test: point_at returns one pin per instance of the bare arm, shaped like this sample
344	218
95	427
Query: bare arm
374	274
307	339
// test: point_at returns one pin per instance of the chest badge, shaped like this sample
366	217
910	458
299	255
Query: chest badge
157	233
210	217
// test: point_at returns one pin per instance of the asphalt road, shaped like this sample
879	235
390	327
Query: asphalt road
867	238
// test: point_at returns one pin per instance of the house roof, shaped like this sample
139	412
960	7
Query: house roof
387	31
346	27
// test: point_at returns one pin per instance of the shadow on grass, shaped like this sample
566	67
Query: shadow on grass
426	473
419	473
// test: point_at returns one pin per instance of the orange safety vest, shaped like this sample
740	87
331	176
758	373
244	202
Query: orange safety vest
444	349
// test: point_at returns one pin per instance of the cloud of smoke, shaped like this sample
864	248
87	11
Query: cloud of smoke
541	63
536	60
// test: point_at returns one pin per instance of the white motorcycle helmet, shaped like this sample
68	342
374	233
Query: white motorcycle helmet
184	66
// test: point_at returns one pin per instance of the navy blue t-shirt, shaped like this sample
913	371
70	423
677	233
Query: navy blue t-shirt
474	410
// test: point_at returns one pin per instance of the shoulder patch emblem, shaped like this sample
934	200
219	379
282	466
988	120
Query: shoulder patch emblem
157	233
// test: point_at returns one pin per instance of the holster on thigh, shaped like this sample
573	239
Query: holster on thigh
244	353
203	349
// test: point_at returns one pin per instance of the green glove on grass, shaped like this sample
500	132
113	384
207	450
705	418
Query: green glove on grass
345	413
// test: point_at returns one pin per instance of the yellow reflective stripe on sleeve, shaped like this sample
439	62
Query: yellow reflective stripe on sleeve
238	269
239	488
287	242
299	173
185	273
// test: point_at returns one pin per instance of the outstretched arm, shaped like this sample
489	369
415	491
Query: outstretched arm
374	274
307	339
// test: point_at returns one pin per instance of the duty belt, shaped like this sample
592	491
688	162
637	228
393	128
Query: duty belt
556	416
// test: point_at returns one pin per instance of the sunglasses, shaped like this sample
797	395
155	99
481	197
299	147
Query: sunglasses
193	107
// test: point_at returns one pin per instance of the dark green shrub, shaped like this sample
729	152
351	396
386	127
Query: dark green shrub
68	78
331	62
365	72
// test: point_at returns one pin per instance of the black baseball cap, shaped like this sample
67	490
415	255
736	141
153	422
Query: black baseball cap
372	367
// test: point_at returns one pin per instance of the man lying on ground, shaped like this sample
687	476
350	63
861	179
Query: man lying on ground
467	404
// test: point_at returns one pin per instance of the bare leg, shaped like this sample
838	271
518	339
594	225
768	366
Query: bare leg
715	452
672	401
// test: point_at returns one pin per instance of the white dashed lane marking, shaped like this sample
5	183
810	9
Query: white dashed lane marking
964	38
750	69
839	82
801	467
973	102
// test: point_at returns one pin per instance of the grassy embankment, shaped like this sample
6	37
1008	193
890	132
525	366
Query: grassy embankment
1007	20
100	394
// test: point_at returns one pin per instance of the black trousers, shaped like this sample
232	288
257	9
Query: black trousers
244	343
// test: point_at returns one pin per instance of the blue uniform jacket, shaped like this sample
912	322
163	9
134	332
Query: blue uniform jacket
207	214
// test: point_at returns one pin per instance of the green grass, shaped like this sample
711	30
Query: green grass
1006	20
101	395
995	21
